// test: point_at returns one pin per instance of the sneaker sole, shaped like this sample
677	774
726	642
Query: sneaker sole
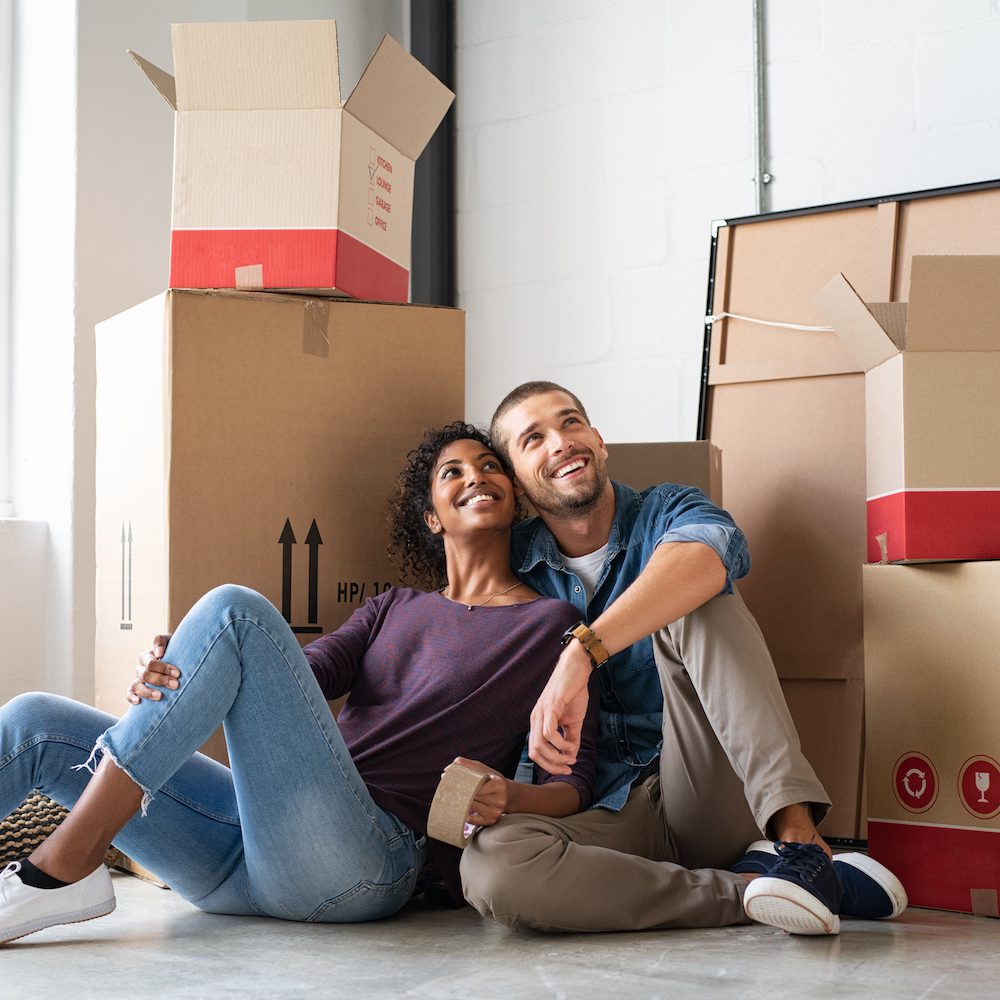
74	917
882	877
779	903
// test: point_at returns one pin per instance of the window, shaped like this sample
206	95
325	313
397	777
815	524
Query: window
6	78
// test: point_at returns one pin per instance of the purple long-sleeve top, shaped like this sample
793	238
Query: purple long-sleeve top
429	681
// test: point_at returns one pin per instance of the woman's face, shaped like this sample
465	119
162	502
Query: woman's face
469	491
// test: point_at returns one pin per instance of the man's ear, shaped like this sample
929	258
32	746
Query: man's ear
604	447
432	522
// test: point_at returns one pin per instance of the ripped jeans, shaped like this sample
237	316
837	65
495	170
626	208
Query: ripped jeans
289	831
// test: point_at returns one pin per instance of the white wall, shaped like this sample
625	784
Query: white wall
91	236
599	138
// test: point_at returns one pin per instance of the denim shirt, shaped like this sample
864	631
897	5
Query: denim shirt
629	737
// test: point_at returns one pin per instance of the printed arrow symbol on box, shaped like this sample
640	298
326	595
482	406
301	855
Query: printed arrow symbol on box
314	541
287	540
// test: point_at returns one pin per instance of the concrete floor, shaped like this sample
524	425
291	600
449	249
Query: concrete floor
156	945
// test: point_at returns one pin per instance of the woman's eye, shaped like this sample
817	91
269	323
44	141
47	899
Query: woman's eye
491	466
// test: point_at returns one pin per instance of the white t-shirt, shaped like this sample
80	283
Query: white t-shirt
588	568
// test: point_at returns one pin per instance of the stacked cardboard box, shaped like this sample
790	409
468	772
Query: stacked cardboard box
277	184
932	630
254	437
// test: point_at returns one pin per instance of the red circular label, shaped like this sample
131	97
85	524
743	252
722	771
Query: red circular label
979	786
915	782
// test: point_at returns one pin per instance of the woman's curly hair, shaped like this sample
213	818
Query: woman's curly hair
418	552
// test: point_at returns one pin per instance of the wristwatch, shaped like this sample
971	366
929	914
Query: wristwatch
594	647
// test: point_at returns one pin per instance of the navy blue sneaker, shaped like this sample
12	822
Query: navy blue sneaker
871	891
759	859
801	894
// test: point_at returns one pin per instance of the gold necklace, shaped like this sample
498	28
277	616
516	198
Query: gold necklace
469	607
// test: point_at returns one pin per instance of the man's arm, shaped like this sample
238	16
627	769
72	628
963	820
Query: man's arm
679	577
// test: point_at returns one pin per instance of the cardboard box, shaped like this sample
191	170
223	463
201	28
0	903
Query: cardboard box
933	689
690	463
279	185
254	438
787	407
933	409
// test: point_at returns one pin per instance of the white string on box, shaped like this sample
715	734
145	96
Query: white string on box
716	317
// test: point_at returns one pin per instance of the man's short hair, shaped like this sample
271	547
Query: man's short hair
516	396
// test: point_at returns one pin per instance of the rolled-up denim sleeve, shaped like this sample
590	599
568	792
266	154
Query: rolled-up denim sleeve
687	515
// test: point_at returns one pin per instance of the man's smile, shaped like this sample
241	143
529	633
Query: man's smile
572	466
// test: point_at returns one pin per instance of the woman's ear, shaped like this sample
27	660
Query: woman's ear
518	488
432	522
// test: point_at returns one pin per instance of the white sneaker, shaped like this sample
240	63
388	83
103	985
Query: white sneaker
24	909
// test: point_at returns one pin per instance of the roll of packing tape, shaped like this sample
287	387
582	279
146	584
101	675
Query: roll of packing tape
450	807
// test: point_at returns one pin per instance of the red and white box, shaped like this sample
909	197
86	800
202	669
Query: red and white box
932	714
932	396
277	183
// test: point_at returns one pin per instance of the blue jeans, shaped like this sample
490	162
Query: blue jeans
289	831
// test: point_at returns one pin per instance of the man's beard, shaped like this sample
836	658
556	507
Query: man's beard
569	505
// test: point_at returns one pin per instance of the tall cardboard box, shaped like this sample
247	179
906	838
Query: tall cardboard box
254	438
277	184
932	636
933	408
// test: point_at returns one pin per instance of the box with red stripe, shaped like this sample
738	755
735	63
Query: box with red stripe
932	689
932	397
277	183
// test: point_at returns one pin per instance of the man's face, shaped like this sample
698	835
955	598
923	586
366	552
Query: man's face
558	458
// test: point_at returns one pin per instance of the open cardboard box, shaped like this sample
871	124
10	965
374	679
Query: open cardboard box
279	185
933	408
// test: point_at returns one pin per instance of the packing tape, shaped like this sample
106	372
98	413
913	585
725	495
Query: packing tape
249	278
984	902
456	790
315	323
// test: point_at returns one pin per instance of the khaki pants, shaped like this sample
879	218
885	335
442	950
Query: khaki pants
731	759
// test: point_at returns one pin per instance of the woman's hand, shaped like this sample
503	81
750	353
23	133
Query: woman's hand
492	799
152	673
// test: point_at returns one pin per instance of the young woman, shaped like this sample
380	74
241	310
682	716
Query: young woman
318	819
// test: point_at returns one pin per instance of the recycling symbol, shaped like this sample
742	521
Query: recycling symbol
915	782
915	773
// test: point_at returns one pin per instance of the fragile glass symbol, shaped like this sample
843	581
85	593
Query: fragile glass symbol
983	784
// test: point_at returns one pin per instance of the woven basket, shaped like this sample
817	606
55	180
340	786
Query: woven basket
29	824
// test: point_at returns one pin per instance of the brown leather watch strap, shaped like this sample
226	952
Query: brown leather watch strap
588	638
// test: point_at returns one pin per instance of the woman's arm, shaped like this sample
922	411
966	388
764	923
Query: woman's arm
500	795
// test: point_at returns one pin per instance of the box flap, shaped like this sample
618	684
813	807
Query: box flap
159	78
400	99
256	65
954	304
858	329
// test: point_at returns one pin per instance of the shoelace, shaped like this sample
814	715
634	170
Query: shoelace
9	872
802	859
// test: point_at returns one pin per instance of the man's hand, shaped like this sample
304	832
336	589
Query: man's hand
557	718
152	673
492	799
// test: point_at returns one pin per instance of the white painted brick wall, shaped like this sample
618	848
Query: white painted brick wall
597	141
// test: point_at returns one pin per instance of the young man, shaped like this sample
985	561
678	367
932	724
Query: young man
698	753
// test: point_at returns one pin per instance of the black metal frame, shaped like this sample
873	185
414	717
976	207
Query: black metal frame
701	432
432	270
